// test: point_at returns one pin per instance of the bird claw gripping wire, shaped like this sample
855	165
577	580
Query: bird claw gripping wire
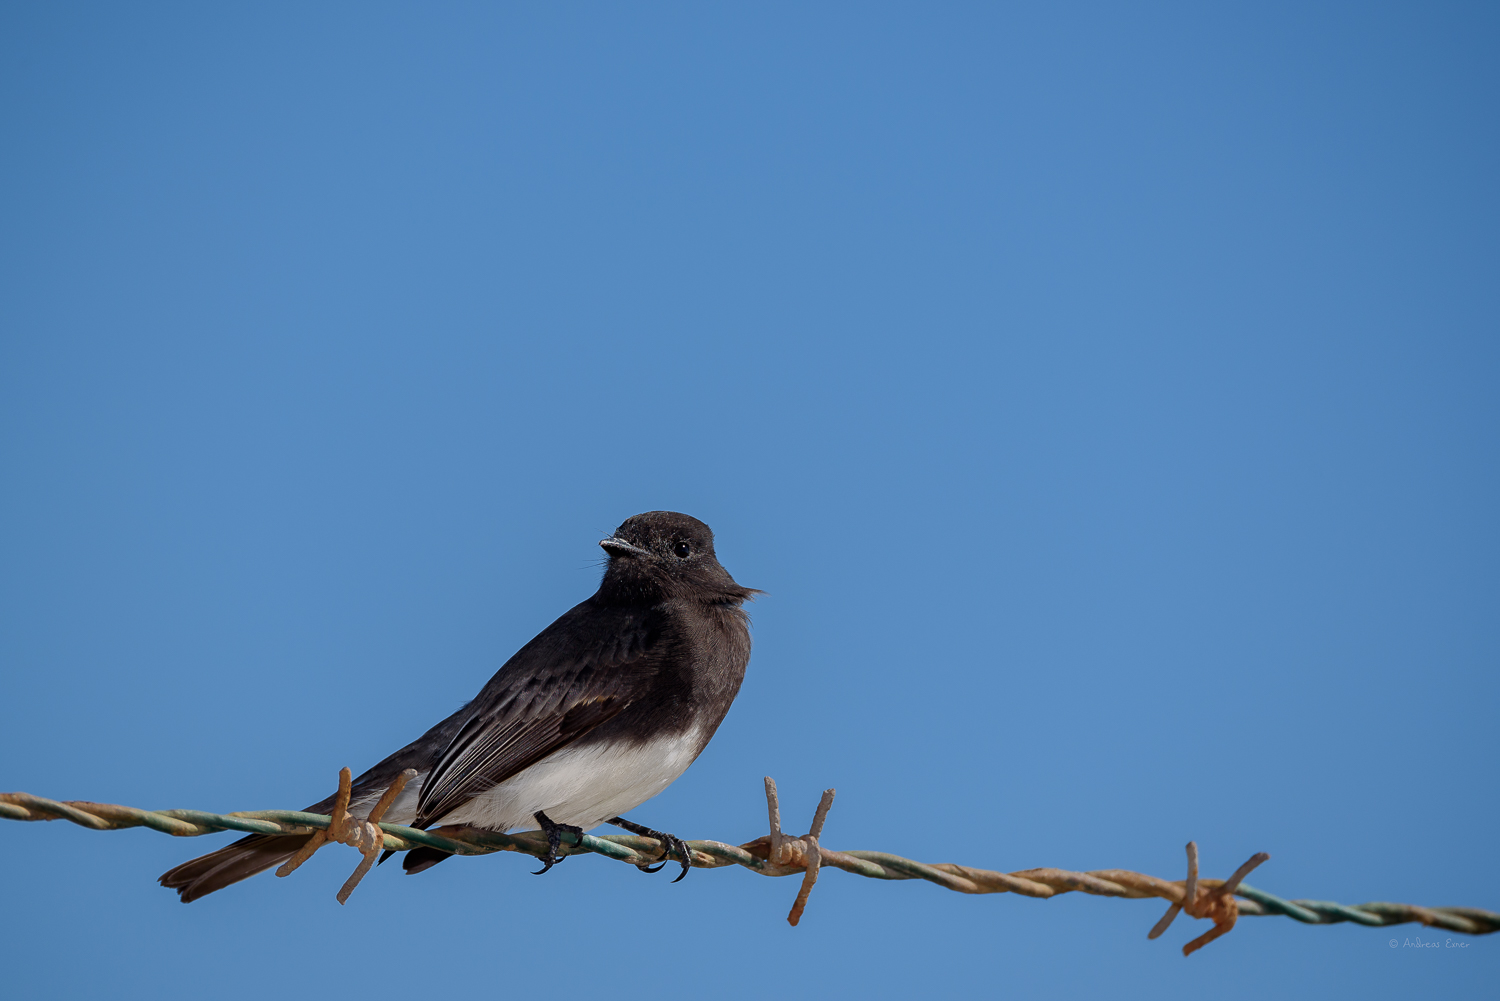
554	833
671	847
345	829
1216	903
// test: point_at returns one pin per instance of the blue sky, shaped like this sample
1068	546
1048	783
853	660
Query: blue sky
1104	396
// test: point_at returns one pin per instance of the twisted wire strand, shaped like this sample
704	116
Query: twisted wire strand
780	855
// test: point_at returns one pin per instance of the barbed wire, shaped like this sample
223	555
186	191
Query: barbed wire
775	854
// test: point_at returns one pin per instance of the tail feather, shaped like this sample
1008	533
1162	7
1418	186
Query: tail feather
259	852
241	860
421	859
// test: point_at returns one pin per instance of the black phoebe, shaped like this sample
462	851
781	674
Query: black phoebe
597	714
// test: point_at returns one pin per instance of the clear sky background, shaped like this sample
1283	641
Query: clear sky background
1103	394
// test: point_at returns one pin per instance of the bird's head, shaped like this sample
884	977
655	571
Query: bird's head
663	554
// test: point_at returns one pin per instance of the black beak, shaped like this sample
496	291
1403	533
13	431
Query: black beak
619	547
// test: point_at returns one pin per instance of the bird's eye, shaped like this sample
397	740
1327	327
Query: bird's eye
683	550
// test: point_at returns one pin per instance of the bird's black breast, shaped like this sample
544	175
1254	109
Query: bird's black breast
702	651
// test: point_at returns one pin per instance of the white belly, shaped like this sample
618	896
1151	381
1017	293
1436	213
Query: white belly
579	786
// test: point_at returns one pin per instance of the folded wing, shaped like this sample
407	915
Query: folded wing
581	671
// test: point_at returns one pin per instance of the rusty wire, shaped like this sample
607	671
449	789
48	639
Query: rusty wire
775	854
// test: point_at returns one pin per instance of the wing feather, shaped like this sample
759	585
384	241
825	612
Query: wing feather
555	689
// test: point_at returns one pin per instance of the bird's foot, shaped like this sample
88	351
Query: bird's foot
671	845
554	834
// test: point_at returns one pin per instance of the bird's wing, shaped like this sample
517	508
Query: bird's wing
579	672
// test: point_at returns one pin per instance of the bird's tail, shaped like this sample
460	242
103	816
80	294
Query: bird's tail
241	860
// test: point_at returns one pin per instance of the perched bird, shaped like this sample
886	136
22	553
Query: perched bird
597	714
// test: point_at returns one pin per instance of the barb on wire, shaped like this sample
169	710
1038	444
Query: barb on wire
364	835
773	854
1216	904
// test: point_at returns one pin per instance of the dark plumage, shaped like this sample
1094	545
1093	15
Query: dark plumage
598	713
